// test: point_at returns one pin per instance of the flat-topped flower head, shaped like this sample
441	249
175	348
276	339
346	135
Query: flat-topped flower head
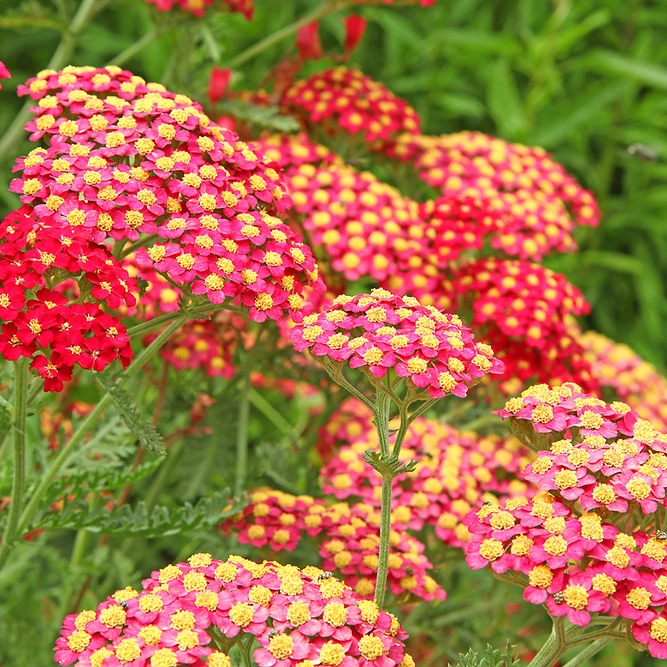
342	99
291	616
522	309
199	7
380	331
127	159
477	165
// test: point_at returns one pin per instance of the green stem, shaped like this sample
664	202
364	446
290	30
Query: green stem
383	405
242	429
554	647
326	8
88	423
137	47
18	479
62	54
588	652
158	322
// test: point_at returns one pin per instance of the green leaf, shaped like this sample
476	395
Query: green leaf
149	438
260	117
489	658
616	64
504	100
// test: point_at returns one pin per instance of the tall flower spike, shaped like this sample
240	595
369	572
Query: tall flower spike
435	352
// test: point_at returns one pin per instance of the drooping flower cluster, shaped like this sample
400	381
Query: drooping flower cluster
379	331
54	281
600	467
633	380
294	616
349	537
455	472
478	165
199	7
345	99
522	309
127	157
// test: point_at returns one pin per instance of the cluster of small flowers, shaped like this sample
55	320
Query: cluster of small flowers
42	265
379	331
632	379
522	309
296	616
198	7
521	224
609	462
480	165
456	471
351	540
346	99
128	157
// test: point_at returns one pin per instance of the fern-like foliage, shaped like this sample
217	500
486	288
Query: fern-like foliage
260	117
139	521
141	427
491	657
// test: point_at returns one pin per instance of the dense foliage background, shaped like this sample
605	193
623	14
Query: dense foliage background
585	80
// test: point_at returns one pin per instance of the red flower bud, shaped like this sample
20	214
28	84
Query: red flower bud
217	85
355	26
308	42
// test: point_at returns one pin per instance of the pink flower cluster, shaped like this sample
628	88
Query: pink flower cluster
478	165
379	331
522	309
349	538
199	7
294	616
455	473
53	281
599	466
633	380
127	158
345	99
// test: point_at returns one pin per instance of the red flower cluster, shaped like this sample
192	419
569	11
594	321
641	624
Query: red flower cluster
379	331
295	616
42	264
635	381
198	7
4	72
478	165
522	309
345	99
351	540
127	157
598	465
455	473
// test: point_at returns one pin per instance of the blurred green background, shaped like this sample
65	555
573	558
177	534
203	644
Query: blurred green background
587	80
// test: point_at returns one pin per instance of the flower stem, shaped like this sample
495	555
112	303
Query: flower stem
382	409
137	47
61	55
326	8
588	652
18	480
553	648
88	423
242	428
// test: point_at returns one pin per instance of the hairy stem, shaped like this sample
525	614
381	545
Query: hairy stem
554	647
18	479
588	652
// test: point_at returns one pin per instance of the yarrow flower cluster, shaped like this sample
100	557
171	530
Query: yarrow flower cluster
379	331
126	158
349	538
636	382
478	165
522	309
199	7
345	99
455	473
599	466
294	616
54	281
